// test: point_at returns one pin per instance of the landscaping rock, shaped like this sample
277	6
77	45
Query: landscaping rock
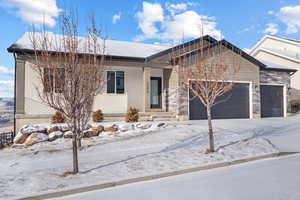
29	129
52	129
160	124
36	138
18	146
126	127
54	135
68	134
97	128
112	128
20	138
65	128
145	126
90	133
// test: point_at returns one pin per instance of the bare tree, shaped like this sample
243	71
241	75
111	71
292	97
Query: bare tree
207	69
71	72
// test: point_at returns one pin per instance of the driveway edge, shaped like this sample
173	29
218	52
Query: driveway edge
151	177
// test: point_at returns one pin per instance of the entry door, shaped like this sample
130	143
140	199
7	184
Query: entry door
155	92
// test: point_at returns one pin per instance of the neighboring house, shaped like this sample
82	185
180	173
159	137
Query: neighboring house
141	76
283	53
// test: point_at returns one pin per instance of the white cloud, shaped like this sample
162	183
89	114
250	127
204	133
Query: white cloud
270	12
6	71
35	12
6	83
290	15
116	17
155	23
271	28
189	24
147	18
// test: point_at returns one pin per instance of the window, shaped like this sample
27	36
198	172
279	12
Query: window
115	82
54	79
59	75
48	80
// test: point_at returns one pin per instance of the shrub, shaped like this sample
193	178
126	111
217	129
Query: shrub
58	118
97	116
132	115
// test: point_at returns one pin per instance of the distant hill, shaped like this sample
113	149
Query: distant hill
6	111
6	102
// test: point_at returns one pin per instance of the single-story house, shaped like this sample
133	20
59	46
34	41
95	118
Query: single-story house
142	76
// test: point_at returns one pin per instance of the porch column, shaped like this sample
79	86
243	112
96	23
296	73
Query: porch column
146	80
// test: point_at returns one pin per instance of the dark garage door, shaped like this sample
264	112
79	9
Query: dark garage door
271	100
236	106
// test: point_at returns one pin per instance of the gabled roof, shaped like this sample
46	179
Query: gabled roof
137	51
213	42
112	47
282	39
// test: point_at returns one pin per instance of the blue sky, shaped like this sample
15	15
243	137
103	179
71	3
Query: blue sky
161	21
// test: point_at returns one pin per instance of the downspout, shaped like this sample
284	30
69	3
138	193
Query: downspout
15	86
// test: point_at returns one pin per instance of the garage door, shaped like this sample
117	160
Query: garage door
271	100
236	105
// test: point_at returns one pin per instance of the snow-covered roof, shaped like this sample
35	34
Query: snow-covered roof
270	65
112	47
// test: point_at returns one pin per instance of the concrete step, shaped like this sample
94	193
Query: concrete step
165	117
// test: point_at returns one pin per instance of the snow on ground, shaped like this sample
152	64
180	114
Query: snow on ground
177	145
269	179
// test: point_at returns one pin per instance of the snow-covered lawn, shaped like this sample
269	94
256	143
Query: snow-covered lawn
111	157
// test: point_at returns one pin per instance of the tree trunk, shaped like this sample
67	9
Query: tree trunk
75	153
210	130
79	142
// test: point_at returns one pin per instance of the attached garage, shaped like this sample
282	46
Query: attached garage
272	103
237	105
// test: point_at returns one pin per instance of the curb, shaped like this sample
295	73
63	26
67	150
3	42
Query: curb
151	177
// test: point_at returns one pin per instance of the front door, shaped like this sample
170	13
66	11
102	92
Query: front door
155	92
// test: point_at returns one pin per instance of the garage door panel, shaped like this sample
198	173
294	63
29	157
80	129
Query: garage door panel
235	105
271	100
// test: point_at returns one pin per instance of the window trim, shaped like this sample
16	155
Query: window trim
115	93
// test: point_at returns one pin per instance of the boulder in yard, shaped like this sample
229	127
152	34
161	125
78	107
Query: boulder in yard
36	138
54	135
160	124
65	128
90	133
29	129
20	138
18	146
68	134
126	127
97	128
113	128
52	129
145	126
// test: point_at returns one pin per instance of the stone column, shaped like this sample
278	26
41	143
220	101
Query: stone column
146	81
